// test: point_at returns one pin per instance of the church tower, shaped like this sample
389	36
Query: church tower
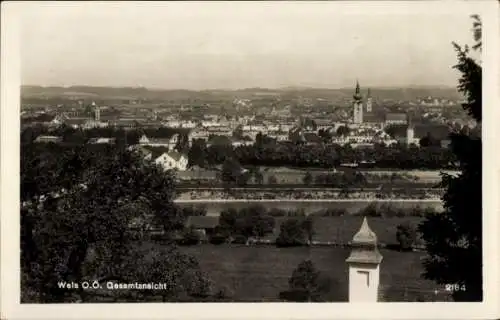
364	266
369	101
97	112
357	105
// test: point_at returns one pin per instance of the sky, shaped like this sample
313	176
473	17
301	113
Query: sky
221	45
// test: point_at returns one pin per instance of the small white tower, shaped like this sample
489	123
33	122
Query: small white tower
97	111
410	132
364	262
369	101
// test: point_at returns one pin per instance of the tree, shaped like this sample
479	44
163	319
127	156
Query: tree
308	227
238	132
231	171
308	178
80	200
343	131
429	141
247	222
272	180
307	284
259	177
406	234
198	153
454	238
292	233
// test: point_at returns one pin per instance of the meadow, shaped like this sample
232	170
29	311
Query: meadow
260	273
340	230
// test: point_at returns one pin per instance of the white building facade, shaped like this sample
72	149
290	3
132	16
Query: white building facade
364	266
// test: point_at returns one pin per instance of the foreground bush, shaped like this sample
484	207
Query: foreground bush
406	236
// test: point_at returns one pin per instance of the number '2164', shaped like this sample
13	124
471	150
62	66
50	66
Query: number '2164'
454	287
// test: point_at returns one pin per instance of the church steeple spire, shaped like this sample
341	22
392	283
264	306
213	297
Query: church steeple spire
357	93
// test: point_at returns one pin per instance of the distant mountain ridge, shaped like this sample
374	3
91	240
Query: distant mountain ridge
82	92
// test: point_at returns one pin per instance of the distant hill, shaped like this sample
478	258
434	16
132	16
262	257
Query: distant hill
103	93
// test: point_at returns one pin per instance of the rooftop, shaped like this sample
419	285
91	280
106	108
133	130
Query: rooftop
395	117
175	155
364	246
365	234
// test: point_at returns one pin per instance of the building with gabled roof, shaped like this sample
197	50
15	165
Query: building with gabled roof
172	160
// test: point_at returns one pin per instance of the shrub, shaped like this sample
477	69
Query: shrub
239	239
218	238
308	178
370	210
406	236
334	212
190	237
307	284
223	293
291	234
272	180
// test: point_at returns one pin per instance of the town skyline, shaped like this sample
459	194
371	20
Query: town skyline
268	48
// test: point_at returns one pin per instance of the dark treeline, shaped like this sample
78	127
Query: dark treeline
265	153
79	136
322	156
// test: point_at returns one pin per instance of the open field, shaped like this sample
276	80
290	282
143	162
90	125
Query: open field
215	206
296	175
341	229
260	273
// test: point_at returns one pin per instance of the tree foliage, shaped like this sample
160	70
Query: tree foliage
78	205
406	235
307	284
293	233
454	238
253	221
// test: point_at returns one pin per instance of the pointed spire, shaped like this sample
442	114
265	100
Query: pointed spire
357	93
364	246
365	235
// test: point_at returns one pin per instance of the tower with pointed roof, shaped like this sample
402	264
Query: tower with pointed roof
357	105
410	131
364	266
369	101
97	111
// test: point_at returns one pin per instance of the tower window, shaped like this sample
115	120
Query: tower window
365	274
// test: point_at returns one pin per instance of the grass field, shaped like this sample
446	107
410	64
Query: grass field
261	273
342	229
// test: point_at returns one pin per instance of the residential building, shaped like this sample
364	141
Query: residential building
102	140
48	139
396	118
144	153
172	161
160	142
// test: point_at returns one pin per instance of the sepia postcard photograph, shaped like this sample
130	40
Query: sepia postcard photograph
187	159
